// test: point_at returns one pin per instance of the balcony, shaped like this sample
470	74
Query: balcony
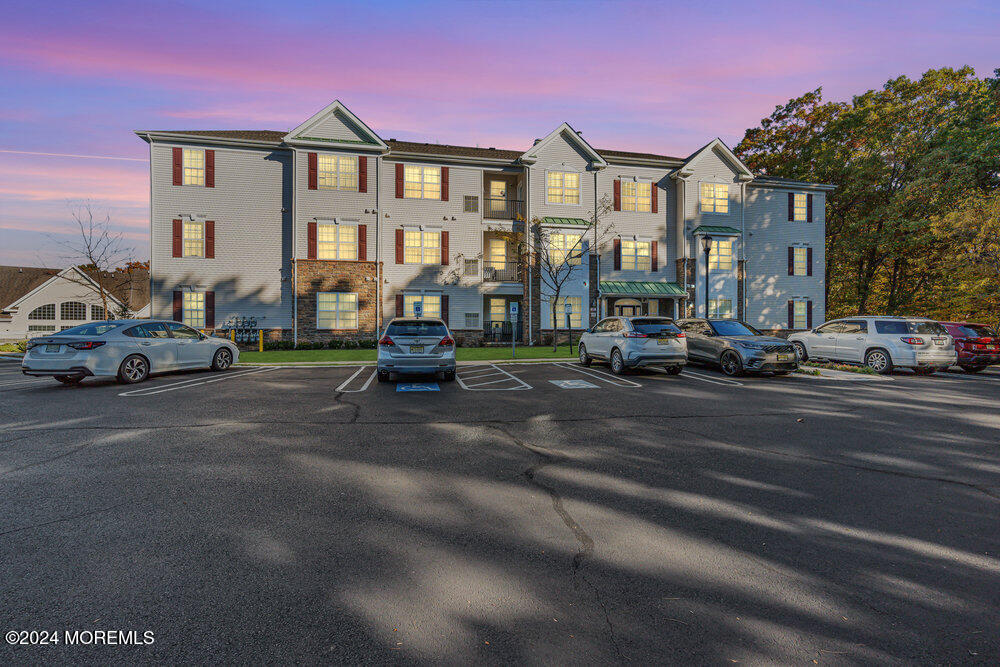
495	271
502	331
501	208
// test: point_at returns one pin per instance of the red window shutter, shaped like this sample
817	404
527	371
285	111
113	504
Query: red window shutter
444	248
655	195
809	208
791	206
178	305
444	185
791	261
311	241
178	166
399	183
209	310
618	253
209	168
444	308
653	265
809	261
362	243
210	239
399	305
312	170
178	249
362	173
809	314
399	246
618	194
791	314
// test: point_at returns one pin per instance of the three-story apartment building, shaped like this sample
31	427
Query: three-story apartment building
330	230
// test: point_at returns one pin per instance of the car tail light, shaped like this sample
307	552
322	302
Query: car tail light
634	334
385	341
86	345
682	335
912	340
447	341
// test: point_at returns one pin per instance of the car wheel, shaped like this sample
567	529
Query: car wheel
134	368
617	363
449	376
972	369
879	361
585	359
800	351
731	364
69	379
383	376
674	370
223	359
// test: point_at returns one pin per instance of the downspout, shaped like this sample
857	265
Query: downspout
743	248
152	312
378	245
527	238
295	263
594	256
679	234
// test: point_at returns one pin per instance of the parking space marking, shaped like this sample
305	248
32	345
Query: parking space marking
185	384
574	384
519	386
607	377
725	382
21	384
347	382
417	386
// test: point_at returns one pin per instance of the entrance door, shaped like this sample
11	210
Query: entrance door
497	197
628	308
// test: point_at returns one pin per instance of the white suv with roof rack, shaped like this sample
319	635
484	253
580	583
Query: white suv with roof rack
881	343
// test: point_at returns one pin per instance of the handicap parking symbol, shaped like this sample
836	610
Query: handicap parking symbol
573	384
417	386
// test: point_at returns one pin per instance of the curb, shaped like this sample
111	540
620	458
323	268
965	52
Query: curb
335	364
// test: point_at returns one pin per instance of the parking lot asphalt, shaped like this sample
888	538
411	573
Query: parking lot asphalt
523	513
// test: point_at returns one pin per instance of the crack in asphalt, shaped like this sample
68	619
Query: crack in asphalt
68	518
547	457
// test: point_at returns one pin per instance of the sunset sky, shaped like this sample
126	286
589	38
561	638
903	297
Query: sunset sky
77	78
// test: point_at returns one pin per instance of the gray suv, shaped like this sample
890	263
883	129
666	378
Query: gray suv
737	348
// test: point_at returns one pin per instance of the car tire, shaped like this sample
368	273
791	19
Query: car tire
383	376
133	369
782	372
617	363
585	359
800	351
973	369
69	379
223	359
731	364
674	370
879	361
449	376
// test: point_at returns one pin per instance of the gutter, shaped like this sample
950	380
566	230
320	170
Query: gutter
219	141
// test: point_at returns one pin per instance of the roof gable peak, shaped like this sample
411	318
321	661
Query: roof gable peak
566	130
303	133
716	144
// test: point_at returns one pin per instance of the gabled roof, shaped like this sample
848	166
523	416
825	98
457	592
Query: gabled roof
531	154
719	145
301	134
16	281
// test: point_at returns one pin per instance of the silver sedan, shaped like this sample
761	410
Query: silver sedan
127	349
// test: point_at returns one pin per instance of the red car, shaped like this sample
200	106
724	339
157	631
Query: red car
977	345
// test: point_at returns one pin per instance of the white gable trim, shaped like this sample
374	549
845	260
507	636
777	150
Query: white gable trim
62	274
321	115
742	170
531	155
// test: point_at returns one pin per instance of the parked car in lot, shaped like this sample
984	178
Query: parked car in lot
416	346
881	343
127	349
736	347
635	342
977	345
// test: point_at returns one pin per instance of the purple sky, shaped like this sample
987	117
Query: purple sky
77	78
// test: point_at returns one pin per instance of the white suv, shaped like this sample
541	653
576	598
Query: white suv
881	343
634	342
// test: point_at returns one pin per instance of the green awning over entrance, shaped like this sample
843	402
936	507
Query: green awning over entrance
640	288
715	229
576	222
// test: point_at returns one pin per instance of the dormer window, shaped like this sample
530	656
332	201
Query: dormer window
194	166
714	198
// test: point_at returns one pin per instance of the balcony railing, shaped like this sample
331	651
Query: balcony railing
501	331
500	208
501	272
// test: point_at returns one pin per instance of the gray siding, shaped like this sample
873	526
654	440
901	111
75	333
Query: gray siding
336	126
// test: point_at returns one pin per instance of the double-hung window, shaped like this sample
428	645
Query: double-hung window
800	314
800	207
720	308
637	196
430	305
194	166
421	182
193	309
714	198
721	256
336	172
194	238
562	187
336	241
565	248
421	246
336	310
635	255
800	261
576	310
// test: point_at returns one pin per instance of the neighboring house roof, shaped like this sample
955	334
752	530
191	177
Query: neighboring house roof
716	229
131	289
790	182
16	281
640	288
576	222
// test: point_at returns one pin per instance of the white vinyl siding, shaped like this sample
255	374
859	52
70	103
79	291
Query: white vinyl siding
194	166
714	198
562	187
421	182
336	172
336	241
336	310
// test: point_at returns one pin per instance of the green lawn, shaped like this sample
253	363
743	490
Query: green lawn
463	354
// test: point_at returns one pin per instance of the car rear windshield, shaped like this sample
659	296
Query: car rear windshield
654	326
416	328
910	327
92	329
973	331
734	328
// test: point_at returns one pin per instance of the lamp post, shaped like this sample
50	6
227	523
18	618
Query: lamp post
706	245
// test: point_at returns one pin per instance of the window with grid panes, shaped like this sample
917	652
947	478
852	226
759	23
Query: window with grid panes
565	248
421	182
194	239
431	304
193	309
721	255
635	255
336	310
636	196
336	172
714	198
562	187
336	241
194	166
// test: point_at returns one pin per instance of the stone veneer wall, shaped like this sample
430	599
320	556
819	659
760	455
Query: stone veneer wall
318	275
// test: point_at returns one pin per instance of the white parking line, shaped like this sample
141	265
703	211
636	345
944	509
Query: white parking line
189	383
521	384
725	382
601	375
345	383
21	384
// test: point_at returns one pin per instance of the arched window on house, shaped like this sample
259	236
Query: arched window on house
46	312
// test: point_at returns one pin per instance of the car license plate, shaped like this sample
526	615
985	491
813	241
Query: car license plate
52	348
416	349
784	357
663	341
940	341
